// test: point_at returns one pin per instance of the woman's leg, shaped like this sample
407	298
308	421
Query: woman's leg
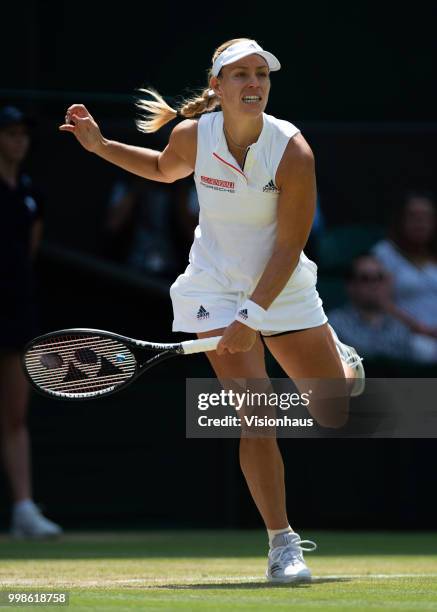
14	396
260	458
27	520
310	358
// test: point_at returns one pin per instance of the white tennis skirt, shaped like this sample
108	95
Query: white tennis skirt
201	303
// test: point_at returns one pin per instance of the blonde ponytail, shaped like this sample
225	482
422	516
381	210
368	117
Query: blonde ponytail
159	112
203	103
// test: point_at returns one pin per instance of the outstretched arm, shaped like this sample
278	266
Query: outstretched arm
175	162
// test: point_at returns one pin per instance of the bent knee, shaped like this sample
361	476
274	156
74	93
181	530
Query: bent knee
332	414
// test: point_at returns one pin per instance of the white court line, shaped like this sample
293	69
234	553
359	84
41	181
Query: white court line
193	582
239	579
380	576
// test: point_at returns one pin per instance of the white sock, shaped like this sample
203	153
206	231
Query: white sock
23	505
274	532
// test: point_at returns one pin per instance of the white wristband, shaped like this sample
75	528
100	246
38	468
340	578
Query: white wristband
251	314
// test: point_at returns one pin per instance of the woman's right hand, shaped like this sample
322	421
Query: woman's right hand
79	122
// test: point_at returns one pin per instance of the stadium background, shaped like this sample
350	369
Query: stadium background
359	83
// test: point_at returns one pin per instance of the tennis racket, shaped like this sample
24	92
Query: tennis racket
79	364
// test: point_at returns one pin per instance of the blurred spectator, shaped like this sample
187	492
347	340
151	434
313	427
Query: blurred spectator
20	234
365	323
410	255
138	226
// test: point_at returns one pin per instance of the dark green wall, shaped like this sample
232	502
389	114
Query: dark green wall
341	60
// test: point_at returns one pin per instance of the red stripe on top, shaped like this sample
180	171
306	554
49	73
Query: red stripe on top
228	164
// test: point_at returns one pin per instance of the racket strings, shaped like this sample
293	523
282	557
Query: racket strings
74	340
76	344
100	367
70	375
78	385
79	363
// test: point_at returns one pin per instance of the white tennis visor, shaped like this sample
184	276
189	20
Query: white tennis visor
243	49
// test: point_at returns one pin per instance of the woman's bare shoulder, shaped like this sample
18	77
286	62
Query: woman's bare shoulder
298	149
186	130
297	160
183	139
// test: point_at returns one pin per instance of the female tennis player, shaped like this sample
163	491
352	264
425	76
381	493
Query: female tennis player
248	276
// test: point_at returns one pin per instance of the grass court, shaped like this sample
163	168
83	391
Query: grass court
223	570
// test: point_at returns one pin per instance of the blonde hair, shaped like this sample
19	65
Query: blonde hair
159	112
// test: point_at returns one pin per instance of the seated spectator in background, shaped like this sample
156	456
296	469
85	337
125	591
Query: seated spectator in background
365	323
20	234
409	254
138	227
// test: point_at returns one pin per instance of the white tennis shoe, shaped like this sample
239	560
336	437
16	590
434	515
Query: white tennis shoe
286	562
28	522
351	358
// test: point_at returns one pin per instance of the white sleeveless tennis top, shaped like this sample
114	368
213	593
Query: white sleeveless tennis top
238	206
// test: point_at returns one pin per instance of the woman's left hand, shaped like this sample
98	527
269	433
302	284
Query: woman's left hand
237	338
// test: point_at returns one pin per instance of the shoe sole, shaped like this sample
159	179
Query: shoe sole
360	383
290	579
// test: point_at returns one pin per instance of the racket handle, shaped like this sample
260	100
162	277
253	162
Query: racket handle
200	346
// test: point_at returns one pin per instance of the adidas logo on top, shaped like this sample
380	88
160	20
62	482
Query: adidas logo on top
270	188
202	313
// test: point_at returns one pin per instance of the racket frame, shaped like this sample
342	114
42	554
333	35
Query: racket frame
137	347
